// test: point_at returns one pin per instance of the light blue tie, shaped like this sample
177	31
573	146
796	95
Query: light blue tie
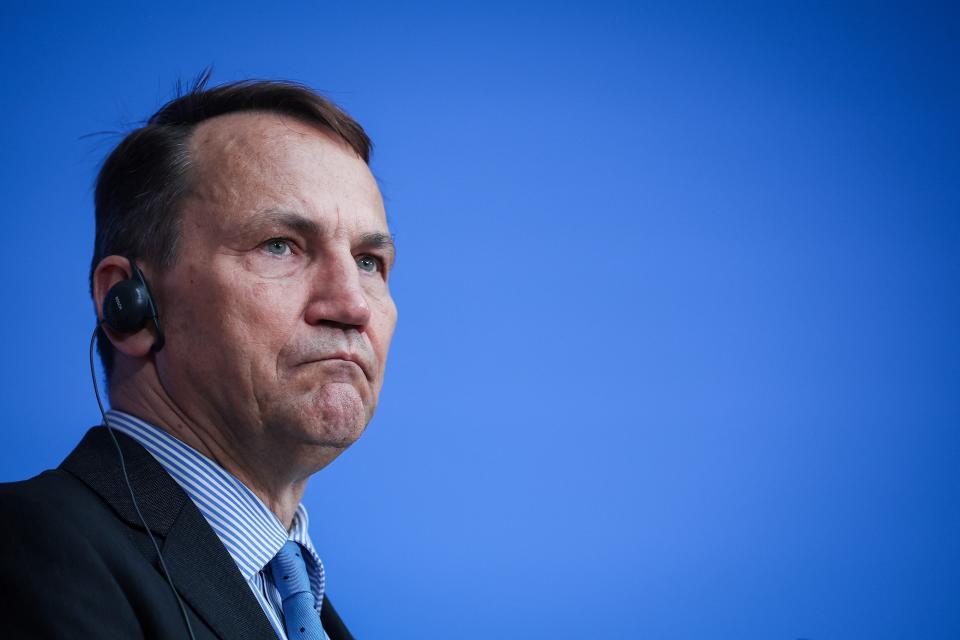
299	606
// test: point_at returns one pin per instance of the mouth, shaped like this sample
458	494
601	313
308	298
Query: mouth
346	357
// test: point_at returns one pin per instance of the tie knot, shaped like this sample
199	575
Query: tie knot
290	571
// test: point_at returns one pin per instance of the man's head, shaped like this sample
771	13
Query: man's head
262	233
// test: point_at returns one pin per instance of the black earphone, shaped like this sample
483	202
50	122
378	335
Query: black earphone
129	304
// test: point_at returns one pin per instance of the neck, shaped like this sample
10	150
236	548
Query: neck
251	459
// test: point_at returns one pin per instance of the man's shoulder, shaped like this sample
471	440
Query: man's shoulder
84	502
55	512
66	550
47	484
50	497
55	493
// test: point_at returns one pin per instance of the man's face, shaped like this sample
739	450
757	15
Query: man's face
277	312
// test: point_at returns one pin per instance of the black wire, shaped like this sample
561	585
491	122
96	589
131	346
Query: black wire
133	498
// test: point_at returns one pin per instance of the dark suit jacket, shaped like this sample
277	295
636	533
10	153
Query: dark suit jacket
75	561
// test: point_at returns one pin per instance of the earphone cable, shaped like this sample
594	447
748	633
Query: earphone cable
133	498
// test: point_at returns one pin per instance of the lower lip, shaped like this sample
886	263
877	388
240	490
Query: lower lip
345	364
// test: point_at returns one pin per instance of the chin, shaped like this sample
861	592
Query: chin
338	440
339	416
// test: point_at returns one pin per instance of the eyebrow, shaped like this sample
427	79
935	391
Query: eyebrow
381	241
284	218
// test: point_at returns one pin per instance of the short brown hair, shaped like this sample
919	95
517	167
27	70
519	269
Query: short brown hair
144	180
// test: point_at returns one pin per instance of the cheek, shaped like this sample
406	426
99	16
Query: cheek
240	321
382	326
263	314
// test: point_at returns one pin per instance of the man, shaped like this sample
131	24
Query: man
260	235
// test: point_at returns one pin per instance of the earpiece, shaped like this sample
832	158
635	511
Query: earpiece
129	304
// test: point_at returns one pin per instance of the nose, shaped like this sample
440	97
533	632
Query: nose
336	294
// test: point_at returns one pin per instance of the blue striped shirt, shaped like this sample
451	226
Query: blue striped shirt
251	532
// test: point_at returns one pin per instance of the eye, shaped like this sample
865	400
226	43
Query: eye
277	247
370	263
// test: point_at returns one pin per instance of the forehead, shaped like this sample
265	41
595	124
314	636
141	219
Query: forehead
251	162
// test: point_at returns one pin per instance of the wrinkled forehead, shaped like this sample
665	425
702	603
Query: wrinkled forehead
257	160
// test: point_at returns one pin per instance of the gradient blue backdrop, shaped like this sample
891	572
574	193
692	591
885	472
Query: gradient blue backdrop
678	285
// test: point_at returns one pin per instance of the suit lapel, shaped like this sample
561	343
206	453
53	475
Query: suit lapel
95	462
201	568
332	623
207	577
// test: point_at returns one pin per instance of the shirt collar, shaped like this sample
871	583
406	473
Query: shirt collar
251	533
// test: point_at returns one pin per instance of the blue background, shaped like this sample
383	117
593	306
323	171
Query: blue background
678	284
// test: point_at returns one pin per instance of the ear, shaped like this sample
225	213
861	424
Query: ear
109	272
